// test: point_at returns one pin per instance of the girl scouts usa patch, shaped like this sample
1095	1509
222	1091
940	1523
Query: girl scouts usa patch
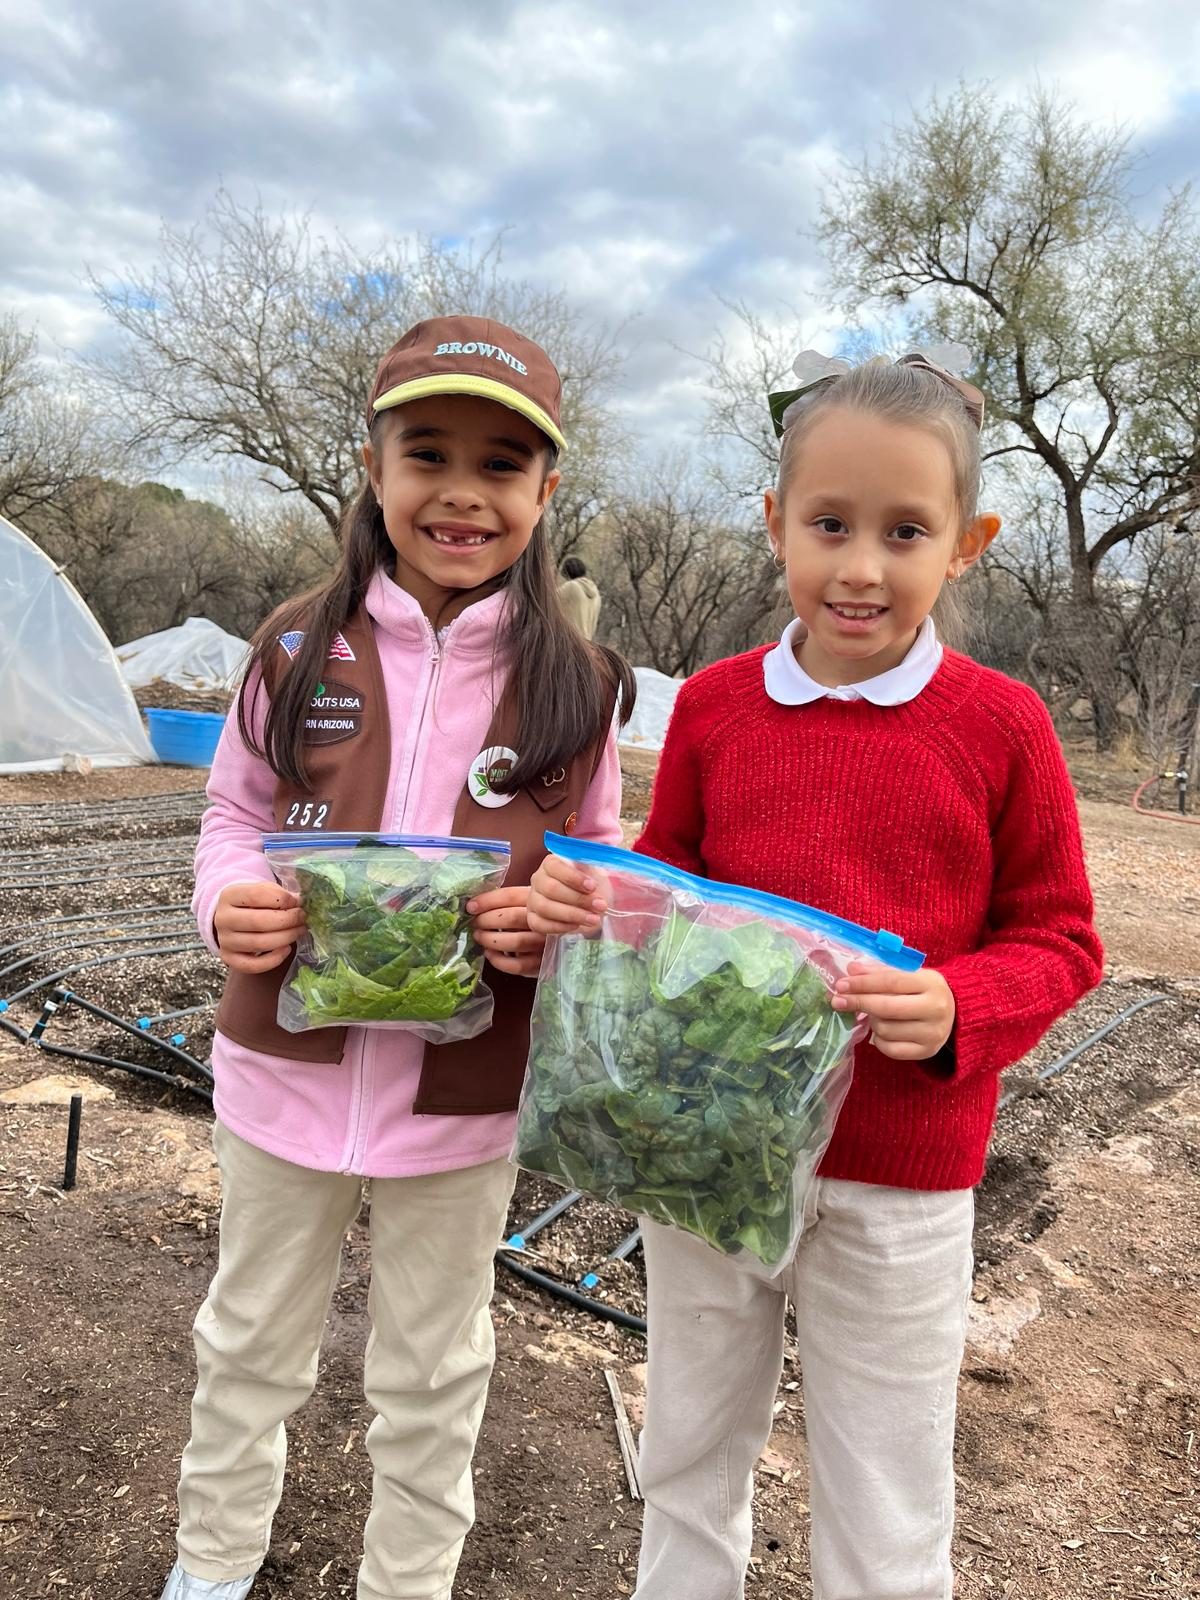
335	713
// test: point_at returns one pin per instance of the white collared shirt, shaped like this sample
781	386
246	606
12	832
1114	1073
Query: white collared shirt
788	684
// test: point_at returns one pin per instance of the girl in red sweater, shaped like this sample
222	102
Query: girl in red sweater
860	767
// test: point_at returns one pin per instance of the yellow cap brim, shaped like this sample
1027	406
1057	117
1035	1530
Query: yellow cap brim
468	383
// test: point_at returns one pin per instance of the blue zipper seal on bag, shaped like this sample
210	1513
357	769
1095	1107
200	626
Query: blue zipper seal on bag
889	948
331	841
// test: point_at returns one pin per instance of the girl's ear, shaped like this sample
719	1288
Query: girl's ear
971	545
553	479
371	462
773	511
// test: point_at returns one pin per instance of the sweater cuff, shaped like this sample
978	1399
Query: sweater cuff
978	1018
943	1066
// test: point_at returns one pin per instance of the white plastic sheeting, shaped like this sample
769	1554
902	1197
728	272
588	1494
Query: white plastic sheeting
647	728
62	696
198	655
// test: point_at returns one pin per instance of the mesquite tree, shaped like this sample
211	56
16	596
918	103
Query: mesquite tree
1013	230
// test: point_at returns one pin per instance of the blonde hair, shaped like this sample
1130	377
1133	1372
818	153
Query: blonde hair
903	394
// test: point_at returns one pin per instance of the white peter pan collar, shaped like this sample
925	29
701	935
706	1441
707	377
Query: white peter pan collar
788	684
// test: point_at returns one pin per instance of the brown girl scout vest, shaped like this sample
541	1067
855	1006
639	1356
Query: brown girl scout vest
348	759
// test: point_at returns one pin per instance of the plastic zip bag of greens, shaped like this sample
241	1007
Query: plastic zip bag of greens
389	942
686	1063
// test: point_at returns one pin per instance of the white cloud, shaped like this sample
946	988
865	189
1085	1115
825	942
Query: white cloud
648	159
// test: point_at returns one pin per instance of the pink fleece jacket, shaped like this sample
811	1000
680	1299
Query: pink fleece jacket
356	1115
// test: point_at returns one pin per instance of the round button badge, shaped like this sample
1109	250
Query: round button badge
490	767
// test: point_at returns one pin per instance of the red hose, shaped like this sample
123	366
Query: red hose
1145	811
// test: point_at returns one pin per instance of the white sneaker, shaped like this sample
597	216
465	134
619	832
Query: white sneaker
182	1586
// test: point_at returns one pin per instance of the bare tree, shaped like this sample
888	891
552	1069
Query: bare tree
256	340
49	440
1012	230
742	370
278	550
682	584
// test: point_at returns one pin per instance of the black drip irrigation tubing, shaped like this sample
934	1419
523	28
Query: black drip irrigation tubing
15	1028
1073	1055
67	861
114	915
170	1016
61	998
90	1056
538	1280
35	1038
153	804
36	863
622	1252
139	935
167	870
100	961
517	1241
582	1302
635	1324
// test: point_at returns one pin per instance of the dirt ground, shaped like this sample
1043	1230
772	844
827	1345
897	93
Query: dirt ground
1079	1403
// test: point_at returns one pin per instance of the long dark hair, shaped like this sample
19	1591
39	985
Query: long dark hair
564	686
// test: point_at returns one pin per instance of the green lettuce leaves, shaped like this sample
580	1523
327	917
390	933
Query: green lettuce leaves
389	939
689	1080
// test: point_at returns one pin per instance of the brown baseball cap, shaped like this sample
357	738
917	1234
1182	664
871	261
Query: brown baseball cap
471	355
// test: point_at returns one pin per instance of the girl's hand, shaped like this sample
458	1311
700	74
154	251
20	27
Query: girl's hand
563	898
256	925
503	931
911	1013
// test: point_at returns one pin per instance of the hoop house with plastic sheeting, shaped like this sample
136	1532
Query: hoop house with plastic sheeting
647	728
62	695
196	655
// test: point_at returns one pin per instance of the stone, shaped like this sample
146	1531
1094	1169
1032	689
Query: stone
992	1329
56	1090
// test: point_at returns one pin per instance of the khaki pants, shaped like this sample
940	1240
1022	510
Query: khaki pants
428	1360
880	1285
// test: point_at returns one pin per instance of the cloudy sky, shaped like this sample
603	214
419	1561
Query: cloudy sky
650	158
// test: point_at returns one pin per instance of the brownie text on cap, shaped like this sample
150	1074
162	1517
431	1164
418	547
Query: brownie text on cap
475	356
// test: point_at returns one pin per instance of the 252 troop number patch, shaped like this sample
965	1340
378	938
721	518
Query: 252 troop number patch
335	713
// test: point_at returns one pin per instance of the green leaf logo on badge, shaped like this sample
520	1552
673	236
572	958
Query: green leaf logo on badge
490	767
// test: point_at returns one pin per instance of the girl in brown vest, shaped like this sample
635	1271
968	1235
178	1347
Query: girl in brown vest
436	654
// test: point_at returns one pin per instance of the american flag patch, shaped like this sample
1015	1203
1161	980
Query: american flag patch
339	650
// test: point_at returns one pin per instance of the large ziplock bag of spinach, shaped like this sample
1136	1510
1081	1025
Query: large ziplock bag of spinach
389	942
686	1063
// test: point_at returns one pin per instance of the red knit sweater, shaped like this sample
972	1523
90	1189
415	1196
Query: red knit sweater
949	820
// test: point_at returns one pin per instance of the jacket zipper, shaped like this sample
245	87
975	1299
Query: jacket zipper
436	654
367	1039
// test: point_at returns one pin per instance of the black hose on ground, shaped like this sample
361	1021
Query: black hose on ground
42	925
102	961
63	997
1073	1055
562	1291
95	1060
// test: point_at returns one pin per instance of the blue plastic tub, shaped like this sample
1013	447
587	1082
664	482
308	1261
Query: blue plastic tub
185	738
